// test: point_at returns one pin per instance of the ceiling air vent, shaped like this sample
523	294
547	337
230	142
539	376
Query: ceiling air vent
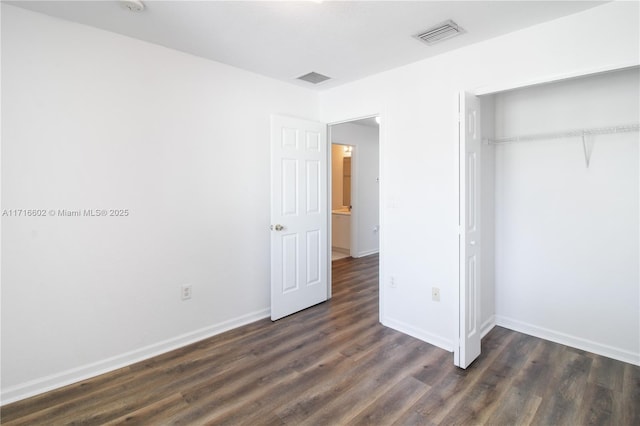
440	32
314	78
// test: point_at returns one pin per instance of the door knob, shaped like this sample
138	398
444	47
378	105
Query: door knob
277	227
473	243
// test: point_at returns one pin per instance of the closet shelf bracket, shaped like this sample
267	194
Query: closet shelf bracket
587	146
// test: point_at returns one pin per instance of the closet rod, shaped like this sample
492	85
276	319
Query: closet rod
573	133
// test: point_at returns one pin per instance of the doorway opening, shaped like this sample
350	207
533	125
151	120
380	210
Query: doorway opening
354	189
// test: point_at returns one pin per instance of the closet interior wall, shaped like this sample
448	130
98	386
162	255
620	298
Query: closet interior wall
561	251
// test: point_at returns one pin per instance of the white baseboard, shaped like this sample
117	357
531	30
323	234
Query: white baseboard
569	340
432	339
54	381
487	326
366	253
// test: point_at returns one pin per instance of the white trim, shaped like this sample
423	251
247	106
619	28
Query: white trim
349	120
355	201
551	78
425	336
74	375
569	340
382	194
329	210
487	326
366	253
455	132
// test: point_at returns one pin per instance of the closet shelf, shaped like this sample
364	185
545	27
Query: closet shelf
572	133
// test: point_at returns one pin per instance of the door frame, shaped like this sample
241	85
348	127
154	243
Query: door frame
354	185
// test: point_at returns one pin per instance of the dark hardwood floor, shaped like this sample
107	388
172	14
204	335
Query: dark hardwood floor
334	364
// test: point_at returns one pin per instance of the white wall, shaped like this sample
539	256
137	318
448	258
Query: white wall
567	236
94	120
419	175
365	187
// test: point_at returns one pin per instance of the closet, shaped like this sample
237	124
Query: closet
560	212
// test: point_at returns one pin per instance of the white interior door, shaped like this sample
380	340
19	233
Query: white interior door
299	215
468	348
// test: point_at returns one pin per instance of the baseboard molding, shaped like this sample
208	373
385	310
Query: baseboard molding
430	338
45	384
366	253
569	340
487	326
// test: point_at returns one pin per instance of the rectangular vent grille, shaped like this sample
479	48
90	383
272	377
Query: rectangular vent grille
314	78
440	32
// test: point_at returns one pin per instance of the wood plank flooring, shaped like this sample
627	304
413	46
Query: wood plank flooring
334	364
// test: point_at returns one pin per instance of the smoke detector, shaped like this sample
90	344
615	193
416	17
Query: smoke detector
440	32
132	5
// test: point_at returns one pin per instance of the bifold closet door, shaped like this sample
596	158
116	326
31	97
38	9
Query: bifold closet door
468	348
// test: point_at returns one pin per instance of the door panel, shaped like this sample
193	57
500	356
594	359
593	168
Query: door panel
468	348
313	187
298	215
290	268
313	257
289	177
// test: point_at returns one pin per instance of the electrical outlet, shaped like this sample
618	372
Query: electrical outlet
393	283
435	294
185	292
